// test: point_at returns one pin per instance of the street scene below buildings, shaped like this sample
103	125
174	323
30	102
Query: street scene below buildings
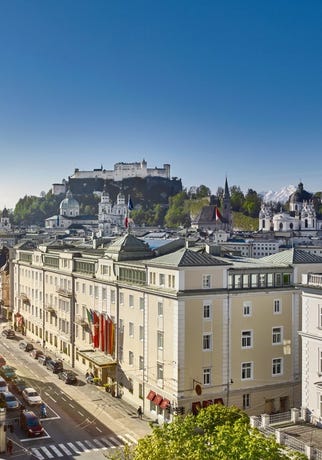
48	413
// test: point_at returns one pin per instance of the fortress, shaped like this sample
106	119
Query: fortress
120	172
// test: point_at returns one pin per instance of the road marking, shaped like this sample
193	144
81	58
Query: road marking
64	448
49	396
37	454
99	444
90	445
80	413
131	438
71	405
57	452
79	443
47	452
116	441
109	444
71	445
36	438
99	429
124	441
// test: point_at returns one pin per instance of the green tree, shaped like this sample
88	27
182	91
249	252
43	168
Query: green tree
217	432
202	192
178	213
252	203
237	198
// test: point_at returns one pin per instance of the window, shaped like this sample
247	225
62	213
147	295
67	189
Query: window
320	317
207	376
131	358
246	339
206	281
161	279
160	371
112	296
160	336
277	366
104	293
206	311
96	292
91	290
247	309
131	300
276	335
206	342
320	362
131	329
141	363
121	298
141	330
247	371
277	307
246	401
160	309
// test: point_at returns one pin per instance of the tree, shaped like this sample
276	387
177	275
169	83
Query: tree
252	203
217	432
237	198
178	214
203	191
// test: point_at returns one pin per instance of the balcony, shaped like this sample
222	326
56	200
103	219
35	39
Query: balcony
64	292
51	309
24	298
81	321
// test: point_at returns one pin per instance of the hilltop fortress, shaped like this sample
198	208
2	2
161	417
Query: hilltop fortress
120	172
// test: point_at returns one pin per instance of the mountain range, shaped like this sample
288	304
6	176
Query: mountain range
281	196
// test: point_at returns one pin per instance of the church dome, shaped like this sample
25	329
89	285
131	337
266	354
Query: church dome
300	195
69	206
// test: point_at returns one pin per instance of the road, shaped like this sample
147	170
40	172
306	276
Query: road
74	425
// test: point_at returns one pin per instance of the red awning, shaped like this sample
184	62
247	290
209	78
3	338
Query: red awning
158	400
196	407
207	402
151	395
165	403
219	401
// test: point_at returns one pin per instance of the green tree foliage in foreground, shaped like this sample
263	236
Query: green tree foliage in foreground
217	432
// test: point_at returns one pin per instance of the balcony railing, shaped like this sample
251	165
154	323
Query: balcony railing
64	292
24	298
50	309
81	321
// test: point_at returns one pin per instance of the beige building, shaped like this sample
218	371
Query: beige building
172	332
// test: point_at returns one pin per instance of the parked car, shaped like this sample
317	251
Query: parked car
68	377
8	333
17	385
7	372
26	346
36	353
55	366
3	362
31	396
30	423
9	400
3	385
42	359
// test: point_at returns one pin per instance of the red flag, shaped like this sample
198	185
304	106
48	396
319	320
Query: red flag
101	331
126	222
218	215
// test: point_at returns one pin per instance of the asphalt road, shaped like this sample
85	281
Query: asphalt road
71	430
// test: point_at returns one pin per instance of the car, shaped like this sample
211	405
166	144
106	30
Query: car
55	366
36	353
31	396
26	346
17	385
3	385
30	423
3	362
9	333
9	400
42	359
7	372
68	377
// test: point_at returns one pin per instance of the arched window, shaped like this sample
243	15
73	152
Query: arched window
306	224
263	223
291	225
281	226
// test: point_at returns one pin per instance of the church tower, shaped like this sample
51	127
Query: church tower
226	208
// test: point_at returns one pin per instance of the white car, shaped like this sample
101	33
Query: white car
31	396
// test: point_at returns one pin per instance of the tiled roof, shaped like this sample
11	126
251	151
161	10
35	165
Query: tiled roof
128	247
187	258
293	256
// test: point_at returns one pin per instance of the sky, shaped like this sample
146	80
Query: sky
215	88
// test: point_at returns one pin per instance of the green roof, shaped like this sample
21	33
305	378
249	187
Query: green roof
187	258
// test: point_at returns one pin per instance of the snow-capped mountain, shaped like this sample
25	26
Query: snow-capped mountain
278	197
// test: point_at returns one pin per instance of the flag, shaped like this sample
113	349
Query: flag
89	316
96	330
126	222
218	215
130	204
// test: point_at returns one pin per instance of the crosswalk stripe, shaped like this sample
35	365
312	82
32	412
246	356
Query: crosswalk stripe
131	438
54	449
47	452
71	445
99	443
37	454
64	448
124	441
116	441
79	443
90	445
109	444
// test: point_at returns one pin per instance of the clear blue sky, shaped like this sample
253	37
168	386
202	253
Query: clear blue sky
214	88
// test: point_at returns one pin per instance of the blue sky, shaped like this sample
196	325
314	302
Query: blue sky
215	88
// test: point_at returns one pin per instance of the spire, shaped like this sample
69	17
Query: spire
227	194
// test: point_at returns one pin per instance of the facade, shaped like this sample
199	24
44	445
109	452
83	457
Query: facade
111	215
311	334
171	333
253	248
301	219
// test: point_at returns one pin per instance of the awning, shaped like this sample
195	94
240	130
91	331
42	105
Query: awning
151	395
99	358
165	403
219	401
207	402
158	400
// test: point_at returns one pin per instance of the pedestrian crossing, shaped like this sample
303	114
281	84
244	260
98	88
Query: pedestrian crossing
78	447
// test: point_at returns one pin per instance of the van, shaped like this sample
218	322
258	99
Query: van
30	423
3	385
